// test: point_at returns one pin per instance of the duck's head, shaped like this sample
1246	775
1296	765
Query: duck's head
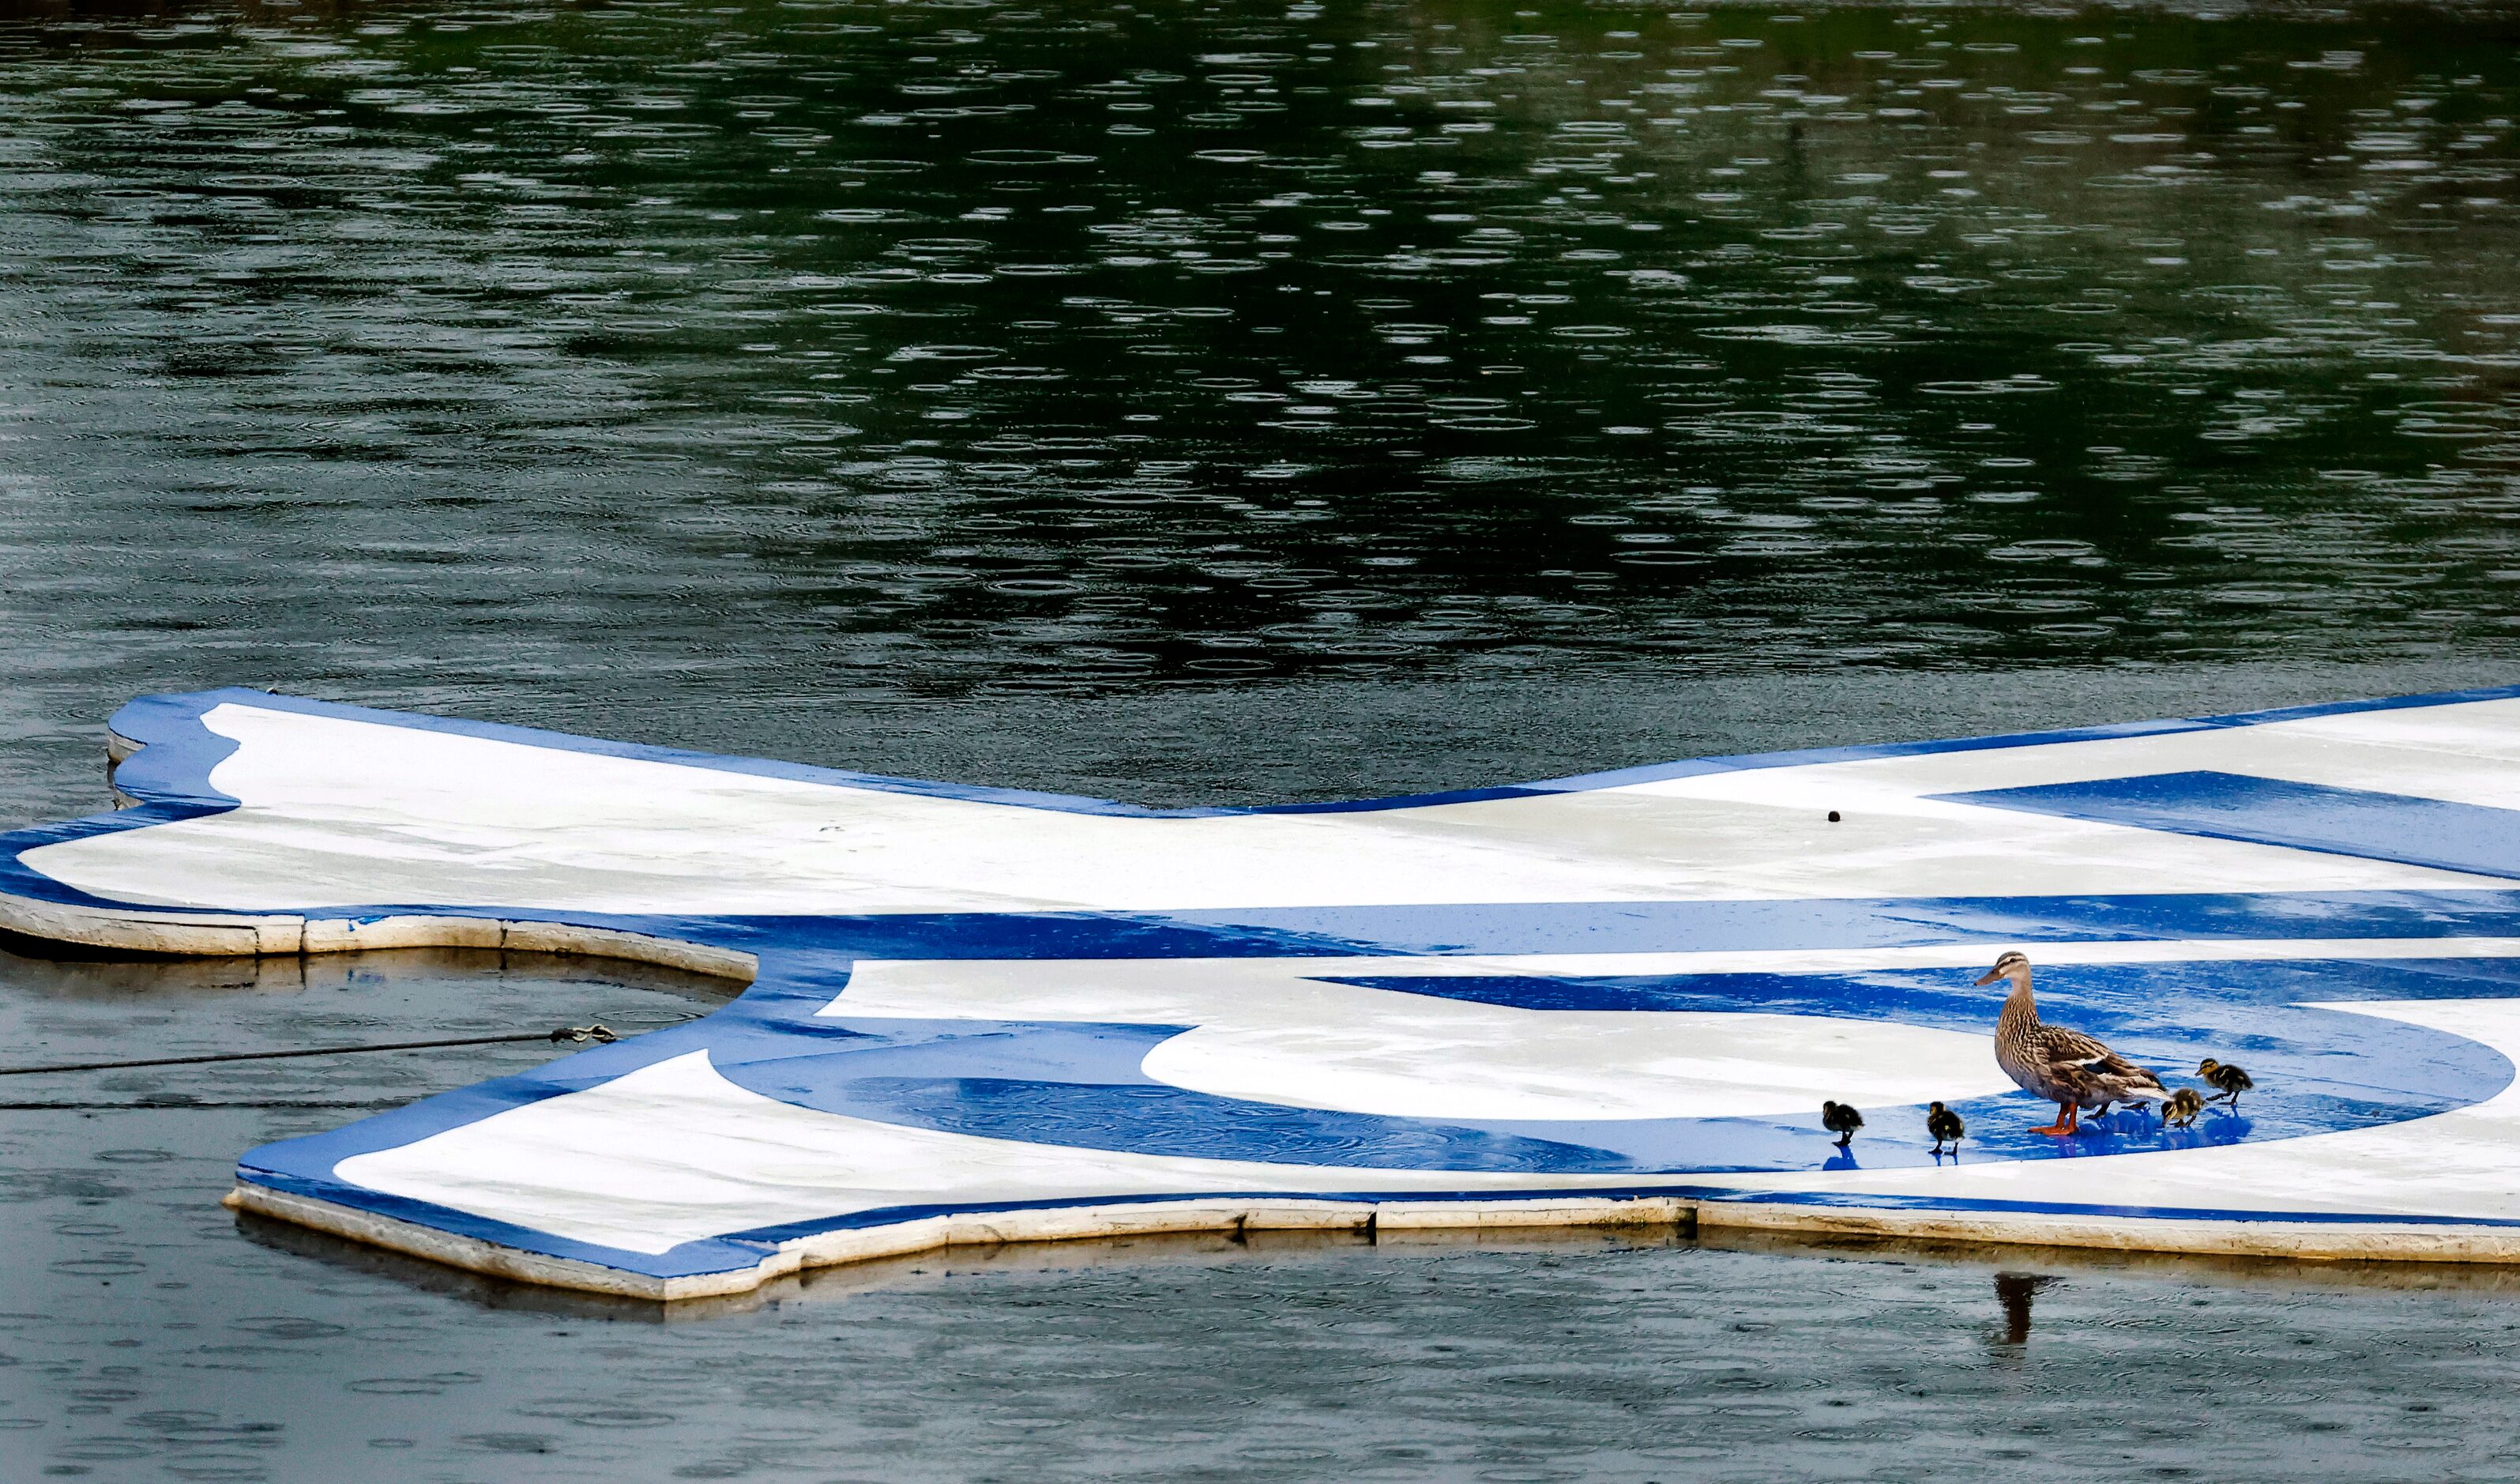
1933	1107
2013	965
2208	1067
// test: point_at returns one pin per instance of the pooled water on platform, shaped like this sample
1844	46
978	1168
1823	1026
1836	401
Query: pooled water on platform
1188	403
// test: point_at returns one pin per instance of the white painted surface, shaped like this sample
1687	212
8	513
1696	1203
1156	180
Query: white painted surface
1410	1057
674	1153
338	812
1281	1031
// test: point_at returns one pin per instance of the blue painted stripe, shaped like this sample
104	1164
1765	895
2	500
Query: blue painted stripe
822	949
1570	927
2111	732
2270	811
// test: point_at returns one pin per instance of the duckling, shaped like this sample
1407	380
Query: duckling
1842	1120
1945	1127
2182	1109
2069	1069
2230	1079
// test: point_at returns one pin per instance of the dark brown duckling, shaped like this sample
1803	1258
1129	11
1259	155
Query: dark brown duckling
1842	1120
1945	1127
2231	1080
2182	1109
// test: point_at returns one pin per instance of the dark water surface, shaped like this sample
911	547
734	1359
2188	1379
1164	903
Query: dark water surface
1193	402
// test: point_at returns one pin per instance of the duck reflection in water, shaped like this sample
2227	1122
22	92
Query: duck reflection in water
2013	1290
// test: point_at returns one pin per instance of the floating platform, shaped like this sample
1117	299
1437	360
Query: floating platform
983	1015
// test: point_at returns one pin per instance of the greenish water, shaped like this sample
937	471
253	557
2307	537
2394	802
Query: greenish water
946	347
1186	402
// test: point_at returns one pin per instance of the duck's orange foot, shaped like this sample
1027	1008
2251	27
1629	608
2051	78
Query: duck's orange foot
2069	1120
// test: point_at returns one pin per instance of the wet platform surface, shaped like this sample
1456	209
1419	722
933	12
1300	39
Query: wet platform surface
976	1013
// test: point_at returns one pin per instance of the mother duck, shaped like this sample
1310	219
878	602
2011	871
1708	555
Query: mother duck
2065	1066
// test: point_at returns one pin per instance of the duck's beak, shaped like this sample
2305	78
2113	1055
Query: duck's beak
1992	975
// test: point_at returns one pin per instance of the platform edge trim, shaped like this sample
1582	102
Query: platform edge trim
220	934
2286	1239
2299	1240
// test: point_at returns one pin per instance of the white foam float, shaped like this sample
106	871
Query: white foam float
981	1015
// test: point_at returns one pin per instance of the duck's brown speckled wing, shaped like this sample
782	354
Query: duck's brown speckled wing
2077	1057
2059	1046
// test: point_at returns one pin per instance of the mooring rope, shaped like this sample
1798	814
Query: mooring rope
596	1033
